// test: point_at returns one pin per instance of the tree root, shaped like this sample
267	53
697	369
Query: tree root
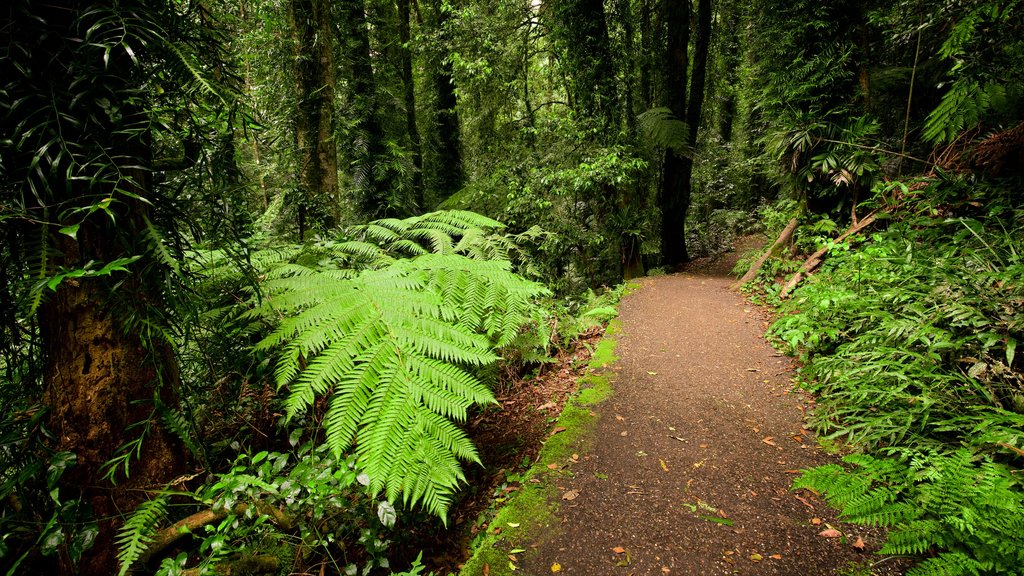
171	534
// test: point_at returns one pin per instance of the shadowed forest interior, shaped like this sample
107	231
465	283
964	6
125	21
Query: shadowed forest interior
264	262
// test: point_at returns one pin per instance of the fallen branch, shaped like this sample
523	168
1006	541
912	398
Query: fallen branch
784	238
818	257
189	524
262	564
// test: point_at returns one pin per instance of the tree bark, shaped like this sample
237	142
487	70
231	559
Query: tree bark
314	120
371	174
674	192
409	93
449	173
104	372
679	172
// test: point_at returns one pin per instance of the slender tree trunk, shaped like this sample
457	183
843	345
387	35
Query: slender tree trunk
729	46
581	33
409	93
371	173
314	120
674	193
449	172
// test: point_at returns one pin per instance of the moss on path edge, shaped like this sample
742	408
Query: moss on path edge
528	516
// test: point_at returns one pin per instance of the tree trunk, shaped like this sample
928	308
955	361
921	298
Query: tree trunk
314	120
409	92
104	371
448	174
581	33
674	193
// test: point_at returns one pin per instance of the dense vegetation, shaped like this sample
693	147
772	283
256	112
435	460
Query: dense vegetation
262	260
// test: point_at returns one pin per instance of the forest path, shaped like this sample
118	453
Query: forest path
694	453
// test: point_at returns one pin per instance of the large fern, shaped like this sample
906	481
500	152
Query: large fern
389	348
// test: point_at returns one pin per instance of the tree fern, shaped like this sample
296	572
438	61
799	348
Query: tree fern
390	348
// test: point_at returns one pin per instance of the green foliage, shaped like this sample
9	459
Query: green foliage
391	327
911	344
137	533
966	507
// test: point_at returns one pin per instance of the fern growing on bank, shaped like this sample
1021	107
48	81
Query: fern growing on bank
389	349
389	323
910	342
134	538
966	509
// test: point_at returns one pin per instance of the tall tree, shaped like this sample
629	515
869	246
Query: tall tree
370	172
581	34
312	32
449	175
674	193
409	96
79	195
678	168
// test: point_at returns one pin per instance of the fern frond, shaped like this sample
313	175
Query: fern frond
134	538
389	348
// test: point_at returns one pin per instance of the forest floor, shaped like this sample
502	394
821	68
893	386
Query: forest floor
688	467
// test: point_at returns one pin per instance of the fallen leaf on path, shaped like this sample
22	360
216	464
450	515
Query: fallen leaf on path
699	464
768	440
600	476
620	418
797	439
677	438
663	465
816	521
515	525
859	543
830	533
619	550
776	556
755	557
575	457
553	466
716	520
623	433
792	471
512	566
753	370
558	429
571	495
487	570
652	373
806	503
624	562
556	567
546	406
665	569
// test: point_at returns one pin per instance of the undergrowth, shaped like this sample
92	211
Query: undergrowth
910	343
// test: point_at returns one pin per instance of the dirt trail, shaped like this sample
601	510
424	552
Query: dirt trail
696	450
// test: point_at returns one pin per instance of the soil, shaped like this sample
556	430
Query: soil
694	455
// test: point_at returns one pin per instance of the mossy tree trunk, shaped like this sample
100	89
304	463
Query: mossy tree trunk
315	75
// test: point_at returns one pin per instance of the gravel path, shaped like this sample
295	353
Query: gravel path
696	450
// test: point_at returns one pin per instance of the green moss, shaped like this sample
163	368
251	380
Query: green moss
528	517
